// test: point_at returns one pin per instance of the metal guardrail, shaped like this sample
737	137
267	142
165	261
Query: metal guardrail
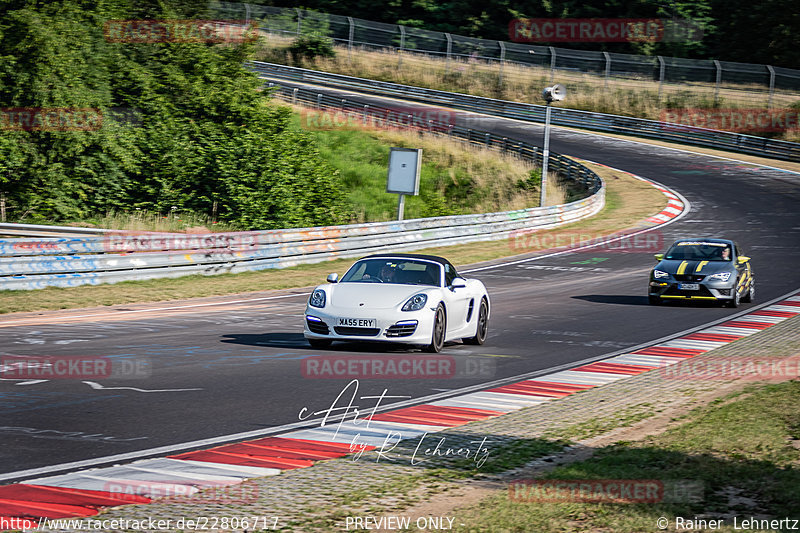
43	230
33	264
722	140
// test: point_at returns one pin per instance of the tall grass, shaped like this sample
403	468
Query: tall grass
639	98
455	178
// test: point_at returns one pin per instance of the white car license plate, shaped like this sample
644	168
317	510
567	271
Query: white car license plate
359	322
689	287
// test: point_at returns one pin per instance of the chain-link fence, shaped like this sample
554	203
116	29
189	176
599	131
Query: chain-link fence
710	82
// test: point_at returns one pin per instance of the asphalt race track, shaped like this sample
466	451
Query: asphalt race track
238	366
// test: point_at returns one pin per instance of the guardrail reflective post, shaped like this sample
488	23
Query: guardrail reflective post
402	46
771	85
502	60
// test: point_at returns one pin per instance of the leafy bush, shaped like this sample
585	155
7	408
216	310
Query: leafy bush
311	46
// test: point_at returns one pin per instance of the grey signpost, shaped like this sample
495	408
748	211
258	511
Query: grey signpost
403	178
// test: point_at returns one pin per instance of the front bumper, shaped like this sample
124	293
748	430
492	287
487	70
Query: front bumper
414	327
707	290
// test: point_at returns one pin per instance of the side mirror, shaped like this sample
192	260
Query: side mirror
458	283
333	277
659	257
742	259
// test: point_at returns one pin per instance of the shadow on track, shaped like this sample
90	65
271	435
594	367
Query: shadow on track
618	299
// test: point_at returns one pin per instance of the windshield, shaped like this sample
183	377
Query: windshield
699	251
398	271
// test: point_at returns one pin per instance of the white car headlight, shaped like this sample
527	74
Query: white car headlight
657	274
317	298
721	276
416	302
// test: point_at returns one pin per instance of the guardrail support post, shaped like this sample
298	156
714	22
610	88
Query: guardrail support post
608	69
719	80
662	67
319	101
366	108
488	140
247	14
449	50
771	85
299	20
294	96
502	60
402	46
350	39
552	63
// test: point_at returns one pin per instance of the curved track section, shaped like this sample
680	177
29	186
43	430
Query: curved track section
234	369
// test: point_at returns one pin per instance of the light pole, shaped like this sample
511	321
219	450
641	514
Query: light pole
555	93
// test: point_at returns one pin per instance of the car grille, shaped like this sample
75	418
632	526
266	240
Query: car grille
320	328
361	332
401	330
688	277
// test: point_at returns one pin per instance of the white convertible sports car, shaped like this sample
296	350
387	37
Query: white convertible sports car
401	298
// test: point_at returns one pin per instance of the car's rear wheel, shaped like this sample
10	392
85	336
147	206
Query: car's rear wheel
751	293
319	343
482	327
439	329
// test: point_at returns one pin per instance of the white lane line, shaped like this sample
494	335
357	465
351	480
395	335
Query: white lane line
97	386
170	308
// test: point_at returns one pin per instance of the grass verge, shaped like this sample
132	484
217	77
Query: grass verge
455	178
627	97
739	453
628	201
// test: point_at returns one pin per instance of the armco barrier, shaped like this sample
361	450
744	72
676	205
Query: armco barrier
662	131
66	262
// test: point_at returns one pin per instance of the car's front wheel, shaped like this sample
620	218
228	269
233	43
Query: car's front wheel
439	329
319	343
653	300
734	302
482	327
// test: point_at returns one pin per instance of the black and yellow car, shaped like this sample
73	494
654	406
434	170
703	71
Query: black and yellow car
702	269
